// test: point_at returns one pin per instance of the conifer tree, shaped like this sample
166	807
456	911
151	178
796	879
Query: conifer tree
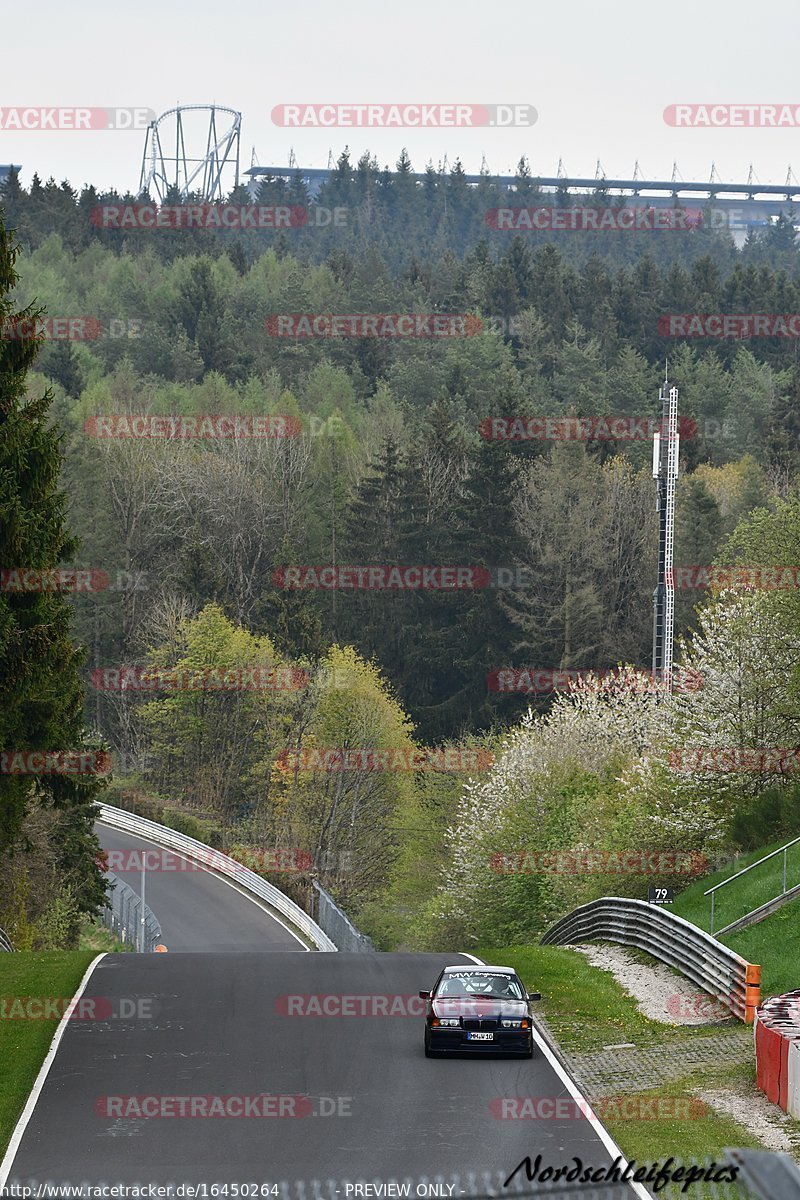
41	692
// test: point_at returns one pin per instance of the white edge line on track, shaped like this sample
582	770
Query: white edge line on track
27	1112
207	870
573	1089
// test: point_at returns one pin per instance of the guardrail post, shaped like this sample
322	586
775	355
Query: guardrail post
143	909
752	991
711	931
784	870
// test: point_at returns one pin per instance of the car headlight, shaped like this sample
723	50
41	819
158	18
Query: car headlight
514	1024
448	1022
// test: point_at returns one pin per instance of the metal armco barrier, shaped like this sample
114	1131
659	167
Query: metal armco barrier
338	925
700	957
5	942
123	916
219	864
777	1040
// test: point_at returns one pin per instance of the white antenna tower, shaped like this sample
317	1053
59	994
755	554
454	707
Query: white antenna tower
666	447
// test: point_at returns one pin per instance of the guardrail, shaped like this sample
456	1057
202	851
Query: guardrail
220	864
338	925
740	922
695	953
123	916
5	942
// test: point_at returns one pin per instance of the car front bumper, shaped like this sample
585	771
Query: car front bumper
456	1041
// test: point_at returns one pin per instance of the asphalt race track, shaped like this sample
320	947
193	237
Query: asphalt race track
353	1097
217	1029
198	910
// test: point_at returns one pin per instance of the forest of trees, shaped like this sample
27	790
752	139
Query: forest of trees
388	465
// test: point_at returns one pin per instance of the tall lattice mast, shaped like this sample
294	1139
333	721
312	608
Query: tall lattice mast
666	447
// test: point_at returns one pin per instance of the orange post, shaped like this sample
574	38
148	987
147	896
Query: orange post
752	991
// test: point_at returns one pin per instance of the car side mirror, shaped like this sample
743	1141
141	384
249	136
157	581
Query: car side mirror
534	995
424	995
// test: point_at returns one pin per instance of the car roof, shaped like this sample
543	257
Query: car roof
482	967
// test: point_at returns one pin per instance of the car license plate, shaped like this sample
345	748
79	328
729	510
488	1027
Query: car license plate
480	1037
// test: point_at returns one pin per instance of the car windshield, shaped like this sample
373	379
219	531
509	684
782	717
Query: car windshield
481	983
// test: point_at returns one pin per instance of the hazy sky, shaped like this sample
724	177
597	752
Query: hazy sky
599	75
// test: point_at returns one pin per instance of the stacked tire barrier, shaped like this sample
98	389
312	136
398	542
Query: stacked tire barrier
696	954
5	942
777	1038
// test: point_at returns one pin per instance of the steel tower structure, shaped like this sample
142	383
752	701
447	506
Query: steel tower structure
666	445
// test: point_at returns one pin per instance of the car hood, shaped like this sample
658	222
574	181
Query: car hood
478	1006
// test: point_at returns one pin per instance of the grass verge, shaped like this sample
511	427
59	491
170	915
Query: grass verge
24	1043
587	1010
774	942
101	940
745	894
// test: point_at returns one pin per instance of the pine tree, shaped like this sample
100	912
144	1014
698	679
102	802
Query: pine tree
480	634
13	199
373	620
41	693
698	532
